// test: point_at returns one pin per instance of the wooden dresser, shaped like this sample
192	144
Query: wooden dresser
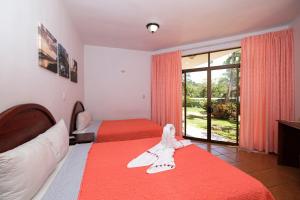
289	143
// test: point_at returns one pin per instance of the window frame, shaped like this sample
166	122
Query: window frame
209	69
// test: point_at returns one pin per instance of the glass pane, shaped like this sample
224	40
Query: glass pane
238	102
183	103
226	57
196	103
195	61
224	105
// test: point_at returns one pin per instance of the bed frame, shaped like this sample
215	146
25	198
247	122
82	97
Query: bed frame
21	123
78	107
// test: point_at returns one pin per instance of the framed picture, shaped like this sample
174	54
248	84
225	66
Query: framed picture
73	71
47	49
63	61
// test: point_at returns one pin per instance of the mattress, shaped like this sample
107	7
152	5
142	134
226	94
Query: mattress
91	128
64	182
51	178
131	129
198	175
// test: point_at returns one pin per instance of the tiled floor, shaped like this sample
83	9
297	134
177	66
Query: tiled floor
283	182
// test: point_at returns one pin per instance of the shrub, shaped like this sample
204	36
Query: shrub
224	110
196	102
221	109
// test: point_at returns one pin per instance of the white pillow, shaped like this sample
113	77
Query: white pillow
83	120
24	169
58	136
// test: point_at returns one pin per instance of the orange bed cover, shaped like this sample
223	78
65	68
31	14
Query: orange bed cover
131	129
198	175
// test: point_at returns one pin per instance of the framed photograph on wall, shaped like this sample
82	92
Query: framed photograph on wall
73	71
47	49
63	61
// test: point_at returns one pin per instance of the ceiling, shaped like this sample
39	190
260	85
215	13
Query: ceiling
121	23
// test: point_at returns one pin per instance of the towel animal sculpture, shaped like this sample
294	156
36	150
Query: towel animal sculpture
160	156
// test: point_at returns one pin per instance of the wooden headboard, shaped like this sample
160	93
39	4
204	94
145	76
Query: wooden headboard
21	123
78	107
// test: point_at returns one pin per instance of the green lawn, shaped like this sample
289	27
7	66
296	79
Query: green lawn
196	117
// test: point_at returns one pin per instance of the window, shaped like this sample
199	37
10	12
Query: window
211	96
195	61
226	57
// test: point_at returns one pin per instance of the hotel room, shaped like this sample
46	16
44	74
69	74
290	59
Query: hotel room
170	100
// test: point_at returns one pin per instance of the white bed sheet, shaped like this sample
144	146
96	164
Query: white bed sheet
91	128
50	179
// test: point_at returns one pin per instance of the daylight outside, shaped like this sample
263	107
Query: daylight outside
216	97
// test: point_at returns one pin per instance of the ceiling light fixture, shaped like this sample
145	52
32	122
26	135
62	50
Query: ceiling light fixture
152	27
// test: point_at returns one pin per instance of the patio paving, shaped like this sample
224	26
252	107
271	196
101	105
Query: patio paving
202	133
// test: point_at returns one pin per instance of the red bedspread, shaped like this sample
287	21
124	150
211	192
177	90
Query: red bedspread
131	129
198	175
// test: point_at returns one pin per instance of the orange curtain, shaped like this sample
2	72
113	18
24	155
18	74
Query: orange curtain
267	88
166	89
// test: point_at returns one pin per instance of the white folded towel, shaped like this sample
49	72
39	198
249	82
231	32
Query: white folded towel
160	156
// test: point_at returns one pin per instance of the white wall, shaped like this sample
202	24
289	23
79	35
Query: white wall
296	27
21	79
117	83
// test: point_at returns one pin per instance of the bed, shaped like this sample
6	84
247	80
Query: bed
116	130
99	171
198	175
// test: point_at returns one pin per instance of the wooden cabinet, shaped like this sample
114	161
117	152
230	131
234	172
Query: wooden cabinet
289	143
85	137
82	138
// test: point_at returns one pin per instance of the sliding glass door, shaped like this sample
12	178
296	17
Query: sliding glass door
196	99
211	96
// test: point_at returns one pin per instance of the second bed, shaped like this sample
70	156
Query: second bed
115	130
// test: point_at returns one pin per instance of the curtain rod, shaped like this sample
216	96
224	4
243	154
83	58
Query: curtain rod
219	42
